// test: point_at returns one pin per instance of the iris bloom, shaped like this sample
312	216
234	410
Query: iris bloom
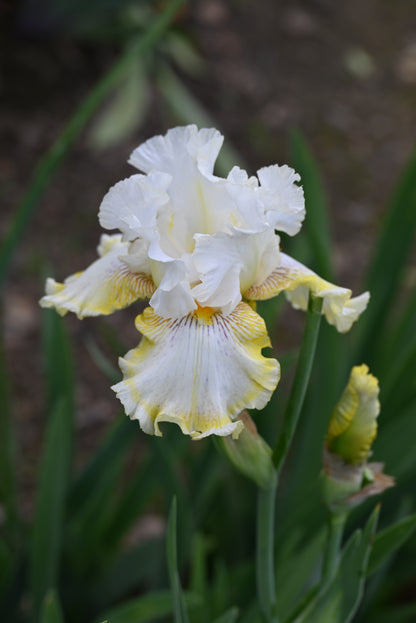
200	247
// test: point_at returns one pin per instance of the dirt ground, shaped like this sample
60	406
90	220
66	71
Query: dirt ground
344	73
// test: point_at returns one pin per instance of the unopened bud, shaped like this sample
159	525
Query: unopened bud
347	477
250	454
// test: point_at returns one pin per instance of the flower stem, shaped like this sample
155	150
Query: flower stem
336	523
51	160
300	383
266	586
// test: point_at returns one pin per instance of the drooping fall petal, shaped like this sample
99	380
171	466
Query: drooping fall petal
296	280
199	371
106	285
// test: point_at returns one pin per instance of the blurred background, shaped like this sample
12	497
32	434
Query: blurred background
344	74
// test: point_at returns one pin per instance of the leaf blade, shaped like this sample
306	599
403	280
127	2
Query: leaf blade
179	607
49	514
52	611
389	540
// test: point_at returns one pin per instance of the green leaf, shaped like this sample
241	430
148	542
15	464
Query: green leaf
51	611
184	53
206	475
199	571
398	336
140	565
221	587
101	361
8	485
317	233
132	501
59	371
298	563
100	505
317	220
300	382
143	609
179	606
252	614
337	602
116	443
50	501
389	540
391	254
399	456
398	382
166	455
126	110
14	588
229	616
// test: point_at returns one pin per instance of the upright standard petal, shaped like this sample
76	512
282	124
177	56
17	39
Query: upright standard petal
282	198
168	153
228	264
198	200
297	281
199	371
132	204
106	285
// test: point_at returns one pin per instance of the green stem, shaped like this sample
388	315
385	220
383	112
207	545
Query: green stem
56	153
180	613
336	523
300	383
266	586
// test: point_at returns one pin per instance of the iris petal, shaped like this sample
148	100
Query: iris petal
106	285
297	281
199	371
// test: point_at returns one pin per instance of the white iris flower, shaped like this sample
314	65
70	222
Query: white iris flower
199	246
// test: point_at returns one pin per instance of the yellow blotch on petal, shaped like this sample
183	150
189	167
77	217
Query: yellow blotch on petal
199	371
204	314
296	280
105	286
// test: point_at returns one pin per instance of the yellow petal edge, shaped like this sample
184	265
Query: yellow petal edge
199	371
353	425
297	281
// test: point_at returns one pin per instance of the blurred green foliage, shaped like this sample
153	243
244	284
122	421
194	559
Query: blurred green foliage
79	560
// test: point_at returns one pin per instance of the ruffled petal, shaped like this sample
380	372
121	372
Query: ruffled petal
297	281
105	286
228	263
169	153
199	202
132	204
283	200
175	302
199	371
248	214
